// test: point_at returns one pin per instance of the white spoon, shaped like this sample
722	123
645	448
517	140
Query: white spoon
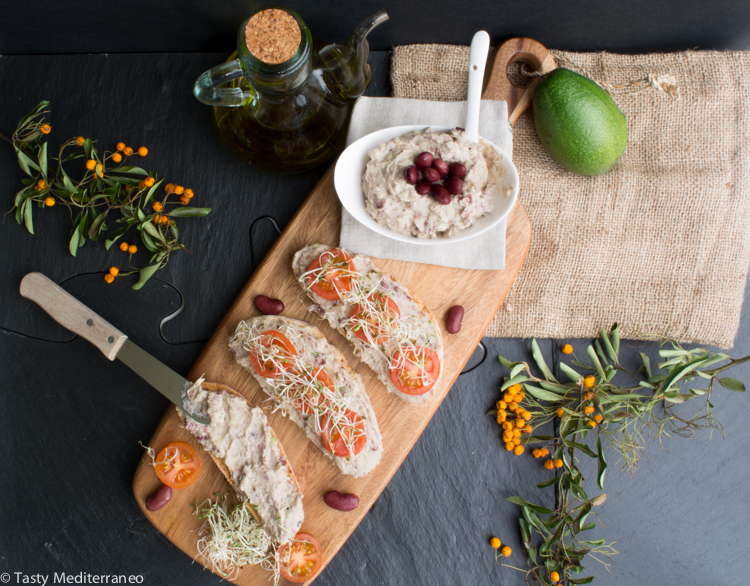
480	46
351	165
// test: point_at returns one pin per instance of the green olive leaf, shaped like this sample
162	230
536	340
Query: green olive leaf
517	500
539	359
148	241
151	229
183	212
97	225
27	216
570	373
582	447
67	182
25	162
114	236
543	395
144	275
549	482
602	463
517	369
43	159
75	237
732	384
133	170
507	363
512	381
680	371
608	346
595	361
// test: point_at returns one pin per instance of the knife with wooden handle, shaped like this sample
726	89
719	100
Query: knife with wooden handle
79	319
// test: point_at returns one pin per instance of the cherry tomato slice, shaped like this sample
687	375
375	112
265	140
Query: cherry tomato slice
311	399
369	323
332	274
300	558
343	436
177	465
275	356
415	372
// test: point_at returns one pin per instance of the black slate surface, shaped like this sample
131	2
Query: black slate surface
38	27
73	420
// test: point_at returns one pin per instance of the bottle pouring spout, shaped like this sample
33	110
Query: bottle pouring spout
359	36
347	70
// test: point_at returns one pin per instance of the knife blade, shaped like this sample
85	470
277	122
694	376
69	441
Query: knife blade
79	319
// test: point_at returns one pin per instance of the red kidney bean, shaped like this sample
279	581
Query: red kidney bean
268	306
441	166
411	174
423	160
454	185
441	194
423	187
453	319
457	170
341	501
431	174
160	498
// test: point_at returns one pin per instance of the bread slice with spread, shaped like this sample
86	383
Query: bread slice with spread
391	329
249	454
309	380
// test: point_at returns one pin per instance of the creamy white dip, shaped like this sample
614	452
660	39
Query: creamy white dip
419	327
241	437
314	351
395	204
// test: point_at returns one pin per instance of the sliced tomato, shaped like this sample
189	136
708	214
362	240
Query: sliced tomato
177	465
415	372
306	402
345	435
370	321
331	274
300	558
276	356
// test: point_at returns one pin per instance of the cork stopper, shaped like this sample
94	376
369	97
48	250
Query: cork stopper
272	36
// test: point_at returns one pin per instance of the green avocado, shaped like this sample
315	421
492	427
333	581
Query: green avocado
578	122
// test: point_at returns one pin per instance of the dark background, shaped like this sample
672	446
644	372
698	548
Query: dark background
72	420
143	26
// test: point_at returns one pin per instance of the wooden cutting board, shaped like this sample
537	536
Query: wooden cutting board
318	221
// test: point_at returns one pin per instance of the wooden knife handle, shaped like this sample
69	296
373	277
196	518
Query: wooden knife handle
72	314
500	87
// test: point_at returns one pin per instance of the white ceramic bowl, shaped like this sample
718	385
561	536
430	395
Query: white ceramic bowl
351	165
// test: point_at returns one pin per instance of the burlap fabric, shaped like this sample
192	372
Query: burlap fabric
659	244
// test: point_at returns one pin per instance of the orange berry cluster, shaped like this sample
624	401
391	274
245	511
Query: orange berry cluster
110	276
127	151
588	408
94	165
550	464
41	185
114	271
540	452
509	407
185	194
504	550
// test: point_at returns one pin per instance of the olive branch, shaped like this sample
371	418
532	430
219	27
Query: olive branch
621	417
107	187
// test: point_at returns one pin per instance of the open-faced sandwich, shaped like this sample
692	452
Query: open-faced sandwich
309	380
250	456
391	329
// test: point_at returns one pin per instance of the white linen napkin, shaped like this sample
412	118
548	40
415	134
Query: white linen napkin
486	251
